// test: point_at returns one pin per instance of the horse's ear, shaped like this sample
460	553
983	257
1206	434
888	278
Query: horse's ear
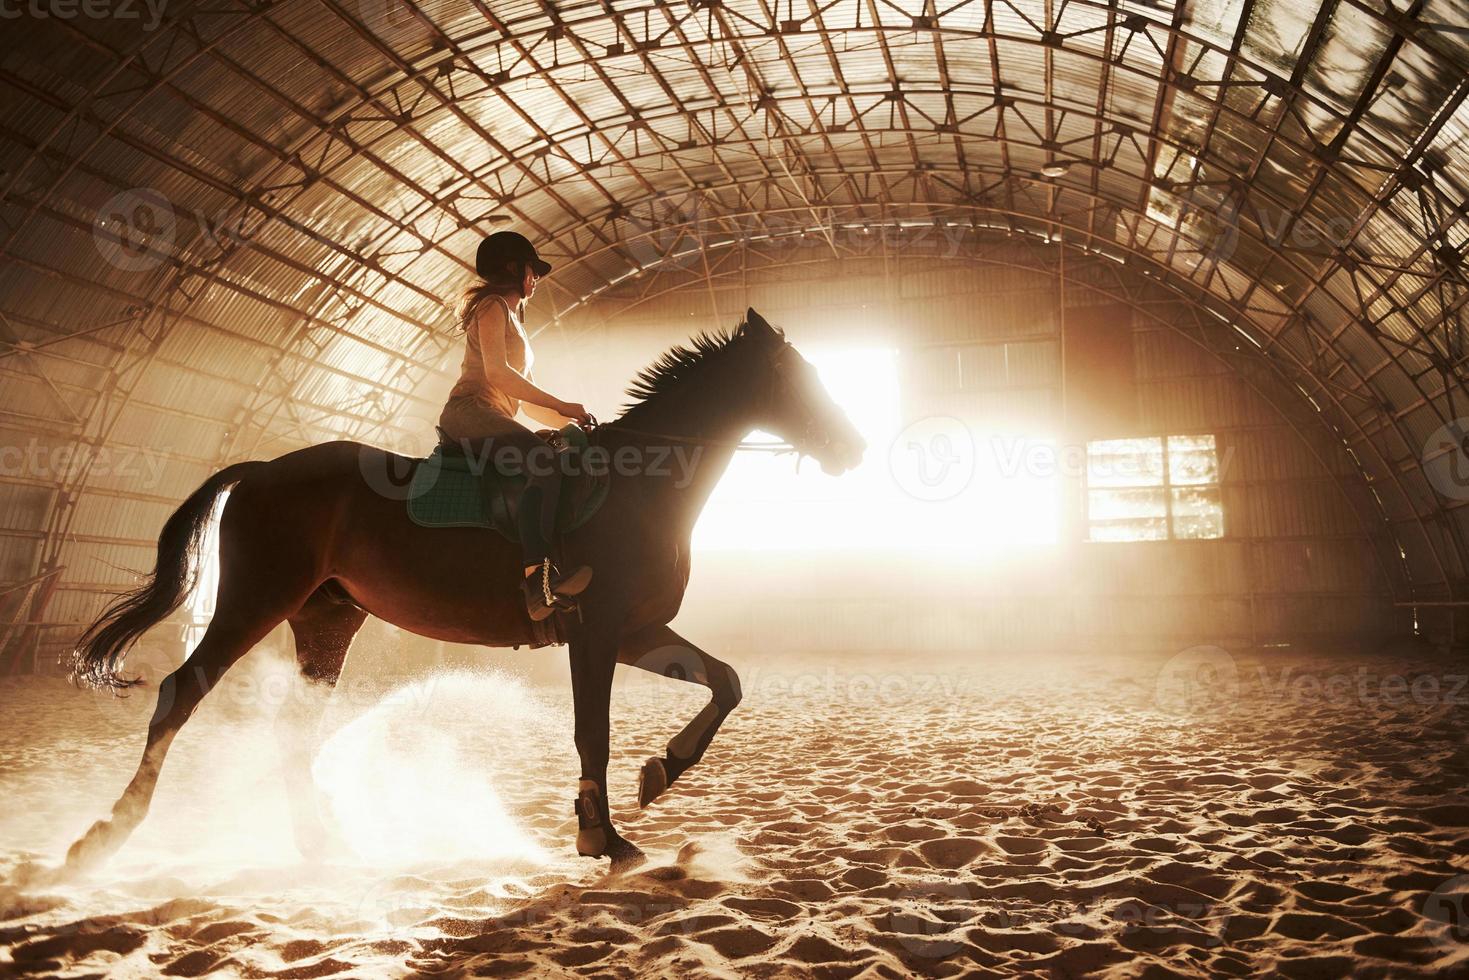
756	323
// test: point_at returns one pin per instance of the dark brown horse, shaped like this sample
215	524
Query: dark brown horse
312	539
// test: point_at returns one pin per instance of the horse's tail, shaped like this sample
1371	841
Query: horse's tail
103	647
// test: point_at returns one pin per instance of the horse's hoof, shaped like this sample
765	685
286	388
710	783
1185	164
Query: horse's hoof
92	849
652	781
625	855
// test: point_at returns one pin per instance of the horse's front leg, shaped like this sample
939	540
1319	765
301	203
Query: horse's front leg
593	659
660	650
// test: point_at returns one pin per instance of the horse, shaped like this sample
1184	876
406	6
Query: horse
312	539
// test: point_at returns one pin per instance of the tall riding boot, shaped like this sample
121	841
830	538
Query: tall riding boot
545	588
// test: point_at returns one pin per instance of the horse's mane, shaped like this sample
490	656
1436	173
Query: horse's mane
679	363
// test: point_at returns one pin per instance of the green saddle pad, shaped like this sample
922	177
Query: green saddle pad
445	492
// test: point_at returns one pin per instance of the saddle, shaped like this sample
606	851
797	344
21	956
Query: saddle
452	489
448	490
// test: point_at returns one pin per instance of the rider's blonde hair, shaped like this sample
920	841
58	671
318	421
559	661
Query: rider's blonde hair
506	282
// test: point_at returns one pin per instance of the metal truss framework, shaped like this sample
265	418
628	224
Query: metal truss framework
1306	193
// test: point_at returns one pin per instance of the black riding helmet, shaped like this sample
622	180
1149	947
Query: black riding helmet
507	246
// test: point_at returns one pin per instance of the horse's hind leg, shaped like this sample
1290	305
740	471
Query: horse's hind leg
660	650
323	629
229	637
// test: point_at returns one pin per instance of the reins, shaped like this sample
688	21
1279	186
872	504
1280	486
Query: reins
740	446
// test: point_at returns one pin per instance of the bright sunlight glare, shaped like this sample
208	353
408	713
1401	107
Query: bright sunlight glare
1007	501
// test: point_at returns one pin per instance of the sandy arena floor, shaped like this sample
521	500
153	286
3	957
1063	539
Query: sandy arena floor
1089	815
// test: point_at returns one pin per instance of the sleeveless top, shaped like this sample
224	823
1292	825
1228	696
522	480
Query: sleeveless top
472	382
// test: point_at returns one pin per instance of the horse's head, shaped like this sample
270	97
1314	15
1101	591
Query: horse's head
796	406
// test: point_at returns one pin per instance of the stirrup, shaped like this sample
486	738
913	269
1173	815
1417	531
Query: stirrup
550	592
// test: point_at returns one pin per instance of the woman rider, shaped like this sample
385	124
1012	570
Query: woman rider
495	382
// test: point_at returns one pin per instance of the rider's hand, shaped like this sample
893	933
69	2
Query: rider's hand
575	411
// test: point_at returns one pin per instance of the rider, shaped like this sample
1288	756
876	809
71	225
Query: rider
495	382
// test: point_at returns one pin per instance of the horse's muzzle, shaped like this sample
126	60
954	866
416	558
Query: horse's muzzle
844	455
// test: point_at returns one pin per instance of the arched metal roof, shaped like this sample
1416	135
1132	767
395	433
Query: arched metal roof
238	229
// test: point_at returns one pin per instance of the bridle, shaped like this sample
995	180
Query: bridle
807	443
804	445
